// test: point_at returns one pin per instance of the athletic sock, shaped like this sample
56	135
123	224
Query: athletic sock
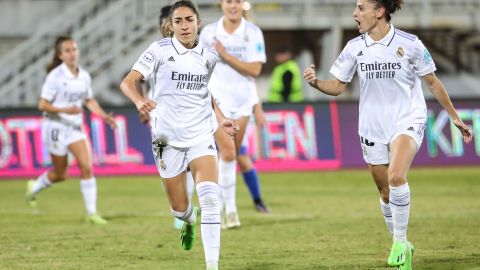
251	180
387	215
186	216
228	184
88	187
400	207
208	196
42	182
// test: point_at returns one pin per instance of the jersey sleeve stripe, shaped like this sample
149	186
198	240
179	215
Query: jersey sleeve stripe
406	35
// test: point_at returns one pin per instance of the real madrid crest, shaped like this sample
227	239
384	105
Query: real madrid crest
162	165
246	38
400	52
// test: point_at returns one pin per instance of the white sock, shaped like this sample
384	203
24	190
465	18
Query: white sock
186	216
208	196
42	182
400	206
89	191
190	185
227	180
387	214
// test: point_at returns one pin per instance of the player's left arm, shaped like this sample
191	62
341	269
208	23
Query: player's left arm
440	93
95	108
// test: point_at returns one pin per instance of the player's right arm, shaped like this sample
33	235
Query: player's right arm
141	70
332	87
131	87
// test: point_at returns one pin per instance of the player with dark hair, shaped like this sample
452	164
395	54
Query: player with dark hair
183	120
391	65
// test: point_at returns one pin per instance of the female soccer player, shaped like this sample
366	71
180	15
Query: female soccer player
390	64
183	120
67	85
241	48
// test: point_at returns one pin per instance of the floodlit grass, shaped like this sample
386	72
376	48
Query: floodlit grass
320	220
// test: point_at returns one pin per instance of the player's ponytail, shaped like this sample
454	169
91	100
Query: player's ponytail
56	61
391	6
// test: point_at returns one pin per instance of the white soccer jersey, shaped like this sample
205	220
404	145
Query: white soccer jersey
178	83
389	71
62	89
229	87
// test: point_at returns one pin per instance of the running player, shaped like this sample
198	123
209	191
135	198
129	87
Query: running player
390	64
241	48
67	85
183	120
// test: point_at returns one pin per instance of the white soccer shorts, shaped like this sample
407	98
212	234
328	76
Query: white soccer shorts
171	161
375	153
57	136
237	111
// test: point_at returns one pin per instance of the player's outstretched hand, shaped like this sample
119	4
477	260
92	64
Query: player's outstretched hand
464	129
310	75
145	105
230	127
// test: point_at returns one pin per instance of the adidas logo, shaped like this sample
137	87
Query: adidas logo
210	147
171	59
411	129
360	53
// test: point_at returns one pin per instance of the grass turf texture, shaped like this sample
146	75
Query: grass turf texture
320	220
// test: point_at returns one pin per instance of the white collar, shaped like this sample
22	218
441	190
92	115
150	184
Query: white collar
66	71
385	41
238	32
182	50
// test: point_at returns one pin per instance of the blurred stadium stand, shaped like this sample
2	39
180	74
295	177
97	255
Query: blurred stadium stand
112	34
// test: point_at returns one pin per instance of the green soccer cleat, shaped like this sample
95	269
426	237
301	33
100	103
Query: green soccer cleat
398	253
408	259
29	196
188	235
95	219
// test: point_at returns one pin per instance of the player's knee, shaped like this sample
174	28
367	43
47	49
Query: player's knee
395	178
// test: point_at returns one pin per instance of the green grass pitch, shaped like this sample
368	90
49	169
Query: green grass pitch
320	220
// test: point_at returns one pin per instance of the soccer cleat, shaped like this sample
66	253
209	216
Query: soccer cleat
177	223
95	219
261	208
398	253
188	235
408	258
29	196
232	220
